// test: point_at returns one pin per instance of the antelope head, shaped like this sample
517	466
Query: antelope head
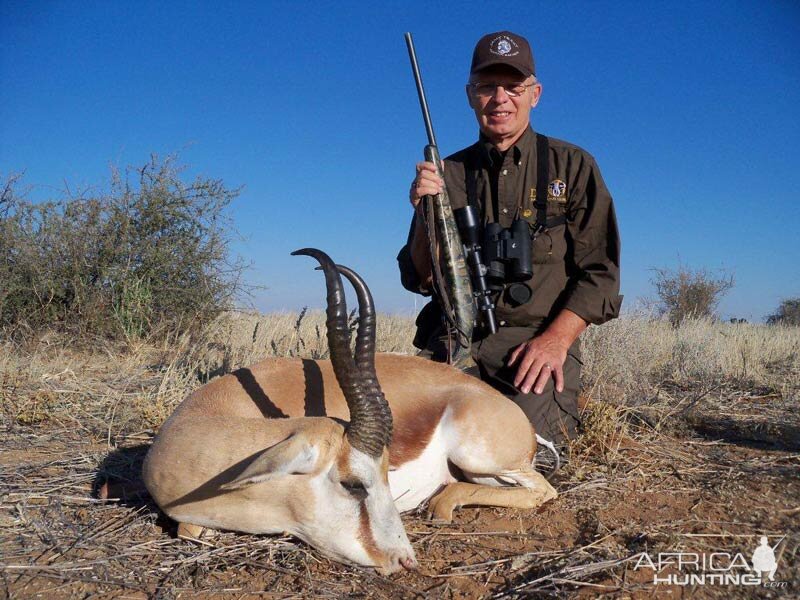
348	512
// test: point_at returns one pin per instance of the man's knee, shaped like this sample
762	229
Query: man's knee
554	415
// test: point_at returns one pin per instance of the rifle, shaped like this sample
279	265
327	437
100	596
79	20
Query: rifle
454	287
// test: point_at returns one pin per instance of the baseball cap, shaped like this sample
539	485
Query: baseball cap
503	48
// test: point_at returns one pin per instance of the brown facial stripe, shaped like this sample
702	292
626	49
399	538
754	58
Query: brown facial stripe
413	432
365	536
343	460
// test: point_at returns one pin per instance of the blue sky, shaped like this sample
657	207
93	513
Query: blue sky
690	108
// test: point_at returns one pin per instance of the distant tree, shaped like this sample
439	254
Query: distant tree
151	254
686	293
788	313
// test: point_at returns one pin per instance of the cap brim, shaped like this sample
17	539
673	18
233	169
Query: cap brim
490	63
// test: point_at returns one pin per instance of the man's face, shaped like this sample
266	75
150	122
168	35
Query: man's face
501	116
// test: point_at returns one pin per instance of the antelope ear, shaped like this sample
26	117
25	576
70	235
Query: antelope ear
294	455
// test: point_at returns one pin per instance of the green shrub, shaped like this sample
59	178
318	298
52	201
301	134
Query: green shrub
145	257
686	293
788	313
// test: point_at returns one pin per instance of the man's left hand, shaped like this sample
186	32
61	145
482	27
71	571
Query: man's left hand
539	359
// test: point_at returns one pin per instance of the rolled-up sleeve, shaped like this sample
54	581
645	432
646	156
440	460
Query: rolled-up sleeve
592	223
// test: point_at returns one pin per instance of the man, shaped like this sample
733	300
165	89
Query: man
534	356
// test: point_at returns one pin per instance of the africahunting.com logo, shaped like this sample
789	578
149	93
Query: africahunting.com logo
716	568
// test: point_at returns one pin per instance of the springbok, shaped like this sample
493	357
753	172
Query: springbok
269	449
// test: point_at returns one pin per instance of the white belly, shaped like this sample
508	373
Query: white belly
416	481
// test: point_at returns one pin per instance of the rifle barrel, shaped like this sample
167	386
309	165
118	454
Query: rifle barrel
423	103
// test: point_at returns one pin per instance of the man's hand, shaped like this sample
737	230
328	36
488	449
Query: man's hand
539	359
426	183
543	356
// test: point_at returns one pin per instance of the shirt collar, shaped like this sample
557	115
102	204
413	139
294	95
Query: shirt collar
520	148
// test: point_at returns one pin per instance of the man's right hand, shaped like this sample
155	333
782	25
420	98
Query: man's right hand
426	183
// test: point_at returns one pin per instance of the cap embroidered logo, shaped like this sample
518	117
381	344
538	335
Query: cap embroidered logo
503	46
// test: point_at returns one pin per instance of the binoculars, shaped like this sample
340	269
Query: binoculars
507	253
501	255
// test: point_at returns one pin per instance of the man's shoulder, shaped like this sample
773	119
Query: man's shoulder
568	148
458	164
465	154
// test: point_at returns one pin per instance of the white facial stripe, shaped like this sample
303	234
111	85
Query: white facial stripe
380	527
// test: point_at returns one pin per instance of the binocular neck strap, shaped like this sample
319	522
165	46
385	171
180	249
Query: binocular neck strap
542	172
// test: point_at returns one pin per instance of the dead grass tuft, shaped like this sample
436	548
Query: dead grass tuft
603	428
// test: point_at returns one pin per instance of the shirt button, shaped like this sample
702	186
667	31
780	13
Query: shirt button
502	323
505	171
505	211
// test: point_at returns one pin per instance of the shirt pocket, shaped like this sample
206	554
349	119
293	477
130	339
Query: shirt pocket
550	246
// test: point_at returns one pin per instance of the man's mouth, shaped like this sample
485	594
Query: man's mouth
499	115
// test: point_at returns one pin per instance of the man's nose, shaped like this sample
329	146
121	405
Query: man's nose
500	94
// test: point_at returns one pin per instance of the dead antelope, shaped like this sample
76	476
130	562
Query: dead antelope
269	449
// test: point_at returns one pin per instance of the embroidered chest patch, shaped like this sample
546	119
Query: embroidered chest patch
557	191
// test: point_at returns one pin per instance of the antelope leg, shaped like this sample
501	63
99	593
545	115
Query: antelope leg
462	493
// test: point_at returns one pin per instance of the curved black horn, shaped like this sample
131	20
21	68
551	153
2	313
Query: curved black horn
365	345
366	431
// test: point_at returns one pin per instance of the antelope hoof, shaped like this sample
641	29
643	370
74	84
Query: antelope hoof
188	531
441	507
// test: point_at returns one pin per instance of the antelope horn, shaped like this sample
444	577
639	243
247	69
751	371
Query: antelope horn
367	430
365	346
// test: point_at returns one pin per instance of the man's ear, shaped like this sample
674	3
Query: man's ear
536	94
296	454
469	97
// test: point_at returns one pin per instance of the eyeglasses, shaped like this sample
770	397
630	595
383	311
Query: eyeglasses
488	90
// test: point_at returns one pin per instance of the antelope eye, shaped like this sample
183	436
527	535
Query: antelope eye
355	488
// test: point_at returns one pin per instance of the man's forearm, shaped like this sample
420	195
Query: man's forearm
565	328
421	253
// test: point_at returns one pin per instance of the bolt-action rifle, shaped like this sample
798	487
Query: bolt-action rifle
453	280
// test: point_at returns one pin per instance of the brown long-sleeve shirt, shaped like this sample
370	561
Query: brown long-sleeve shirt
575	265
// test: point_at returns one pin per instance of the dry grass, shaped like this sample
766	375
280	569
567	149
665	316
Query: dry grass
626	359
640	477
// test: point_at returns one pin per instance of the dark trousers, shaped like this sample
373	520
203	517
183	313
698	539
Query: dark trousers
553	414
